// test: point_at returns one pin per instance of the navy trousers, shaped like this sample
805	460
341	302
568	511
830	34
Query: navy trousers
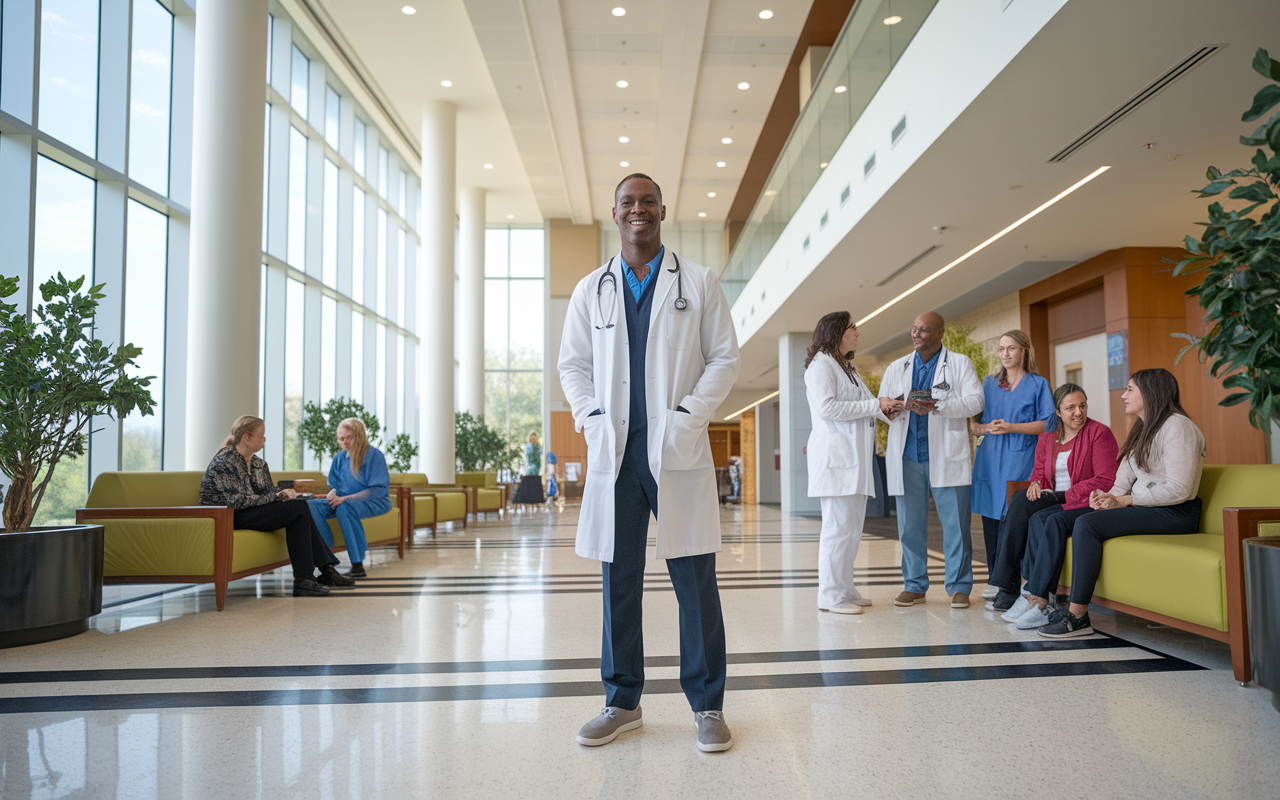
702	642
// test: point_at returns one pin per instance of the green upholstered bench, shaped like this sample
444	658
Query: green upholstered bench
1194	582
156	531
486	494
433	503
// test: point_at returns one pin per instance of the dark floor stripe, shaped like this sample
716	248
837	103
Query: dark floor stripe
552	664
518	691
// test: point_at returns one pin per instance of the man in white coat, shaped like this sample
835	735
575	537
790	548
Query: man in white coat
928	453
649	352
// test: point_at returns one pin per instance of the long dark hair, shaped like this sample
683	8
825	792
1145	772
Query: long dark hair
827	336
1160	400
1059	395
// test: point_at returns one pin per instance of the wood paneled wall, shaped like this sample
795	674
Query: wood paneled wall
565	442
748	427
1142	298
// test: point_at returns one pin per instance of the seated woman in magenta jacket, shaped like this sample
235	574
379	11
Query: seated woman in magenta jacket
1072	460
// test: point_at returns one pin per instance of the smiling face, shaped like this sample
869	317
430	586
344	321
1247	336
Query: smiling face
638	212
1074	411
346	438
849	342
1133	399
1011	353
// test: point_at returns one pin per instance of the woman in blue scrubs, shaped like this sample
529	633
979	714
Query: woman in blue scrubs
359	488
1018	402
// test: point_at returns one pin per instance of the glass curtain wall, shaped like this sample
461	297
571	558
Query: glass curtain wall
341	254
514	312
108	123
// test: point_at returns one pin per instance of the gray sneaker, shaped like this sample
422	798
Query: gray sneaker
606	727
713	733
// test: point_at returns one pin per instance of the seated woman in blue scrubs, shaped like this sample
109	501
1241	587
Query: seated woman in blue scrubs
359	487
1018	402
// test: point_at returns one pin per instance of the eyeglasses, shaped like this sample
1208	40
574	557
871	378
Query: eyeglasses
924	331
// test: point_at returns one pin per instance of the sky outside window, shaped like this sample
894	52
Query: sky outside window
149	95
69	72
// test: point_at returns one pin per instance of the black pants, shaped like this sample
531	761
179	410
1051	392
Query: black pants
1047	534
1091	530
1006	561
306	549
991	543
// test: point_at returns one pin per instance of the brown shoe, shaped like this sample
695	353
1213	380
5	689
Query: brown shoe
960	600
908	598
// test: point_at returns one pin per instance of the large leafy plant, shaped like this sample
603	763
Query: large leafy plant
1239	254
54	378
318	431
477	446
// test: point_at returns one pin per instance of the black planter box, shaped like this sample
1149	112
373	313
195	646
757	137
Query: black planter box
50	583
1262	587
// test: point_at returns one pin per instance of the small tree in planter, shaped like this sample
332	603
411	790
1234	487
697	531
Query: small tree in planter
1240	256
54	378
477	446
319	432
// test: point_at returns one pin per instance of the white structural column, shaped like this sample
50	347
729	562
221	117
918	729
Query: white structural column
436	352
794	425
226	222
471	302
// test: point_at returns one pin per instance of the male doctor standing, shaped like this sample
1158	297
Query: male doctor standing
928	453
649	352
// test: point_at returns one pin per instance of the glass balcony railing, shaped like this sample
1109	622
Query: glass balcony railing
873	39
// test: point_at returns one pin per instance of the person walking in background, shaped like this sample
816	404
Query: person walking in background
238	478
359	488
1017	402
1155	490
928	454
1075	458
841	455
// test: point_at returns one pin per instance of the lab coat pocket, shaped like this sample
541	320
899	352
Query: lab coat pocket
840	445
686	445
599	436
682	326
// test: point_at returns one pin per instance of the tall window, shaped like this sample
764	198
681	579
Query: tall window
149	95
360	144
146	257
513	295
294	331
69	72
328	348
331	107
297	242
357	357
380	299
357	245
301	76
330	224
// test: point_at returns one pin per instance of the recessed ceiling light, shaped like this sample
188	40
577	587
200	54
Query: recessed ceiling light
720	164
446	83
726	140
823	165
624	163
511	216
766	14
702	213
488	166
623	139
410	10
617	12
894	20
841	89
744	85
711	194
622	84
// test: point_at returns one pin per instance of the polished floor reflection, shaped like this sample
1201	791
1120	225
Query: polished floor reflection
466	669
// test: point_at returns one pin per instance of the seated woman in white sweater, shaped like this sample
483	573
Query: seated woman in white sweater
1155	490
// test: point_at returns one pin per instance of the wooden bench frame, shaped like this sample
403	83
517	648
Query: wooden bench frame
223	542
1238	524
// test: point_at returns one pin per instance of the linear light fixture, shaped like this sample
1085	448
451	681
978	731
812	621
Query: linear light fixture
753	405
982	246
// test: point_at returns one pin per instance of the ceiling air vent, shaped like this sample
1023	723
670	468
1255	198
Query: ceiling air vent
844	196
907	265
869	167
806	244
899	130
822	223
1185	65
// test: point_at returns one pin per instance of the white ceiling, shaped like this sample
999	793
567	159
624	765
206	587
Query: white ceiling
535	86
991	166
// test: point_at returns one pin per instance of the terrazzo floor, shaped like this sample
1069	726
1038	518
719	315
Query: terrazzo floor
466	669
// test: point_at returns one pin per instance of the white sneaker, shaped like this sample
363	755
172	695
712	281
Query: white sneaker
859	600
843	608
990	592
1023	591
1016	610
1034	617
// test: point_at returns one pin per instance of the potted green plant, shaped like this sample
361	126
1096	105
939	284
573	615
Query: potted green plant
1239	255
479	447
319	432
54	378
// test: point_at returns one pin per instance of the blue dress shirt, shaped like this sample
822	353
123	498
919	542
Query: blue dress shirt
917	447
638	286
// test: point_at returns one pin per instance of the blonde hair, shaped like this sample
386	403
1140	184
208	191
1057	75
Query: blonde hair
360	447
1028	355
242	426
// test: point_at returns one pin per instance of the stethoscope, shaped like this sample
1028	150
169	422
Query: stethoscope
680	304
943	386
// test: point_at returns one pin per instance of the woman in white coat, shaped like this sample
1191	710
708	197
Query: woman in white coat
841	455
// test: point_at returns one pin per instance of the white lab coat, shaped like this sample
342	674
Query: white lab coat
841	449
949	459
691	361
